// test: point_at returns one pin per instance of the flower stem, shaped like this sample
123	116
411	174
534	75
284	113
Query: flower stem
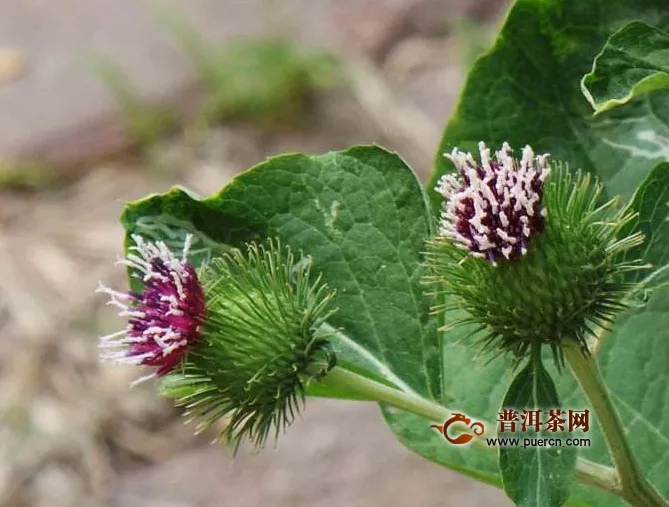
633	484
381	393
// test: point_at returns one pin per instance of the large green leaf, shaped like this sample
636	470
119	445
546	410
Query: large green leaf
634	61
362	217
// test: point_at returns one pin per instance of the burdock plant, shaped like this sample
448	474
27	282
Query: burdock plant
529	252
517	296
263	341
527	256
237	340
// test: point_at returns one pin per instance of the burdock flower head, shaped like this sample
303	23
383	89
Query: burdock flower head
493	207
526	253
238	340
164	319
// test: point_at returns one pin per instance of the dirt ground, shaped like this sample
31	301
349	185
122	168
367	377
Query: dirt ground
72	433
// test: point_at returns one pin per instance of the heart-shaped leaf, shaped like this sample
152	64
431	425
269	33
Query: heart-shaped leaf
362	217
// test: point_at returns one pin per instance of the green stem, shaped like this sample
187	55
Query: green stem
339	378
600	476
381	393
633	484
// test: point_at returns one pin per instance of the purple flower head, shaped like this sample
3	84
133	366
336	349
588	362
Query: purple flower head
164	320
493	207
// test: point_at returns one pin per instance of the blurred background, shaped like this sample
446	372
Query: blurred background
104	101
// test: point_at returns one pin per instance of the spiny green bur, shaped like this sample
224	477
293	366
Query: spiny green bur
567	284
260	343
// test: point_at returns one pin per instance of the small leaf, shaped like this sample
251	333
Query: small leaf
634	61
535	476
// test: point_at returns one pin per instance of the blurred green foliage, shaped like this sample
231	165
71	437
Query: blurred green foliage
267	82
146	122
25	175
264	80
